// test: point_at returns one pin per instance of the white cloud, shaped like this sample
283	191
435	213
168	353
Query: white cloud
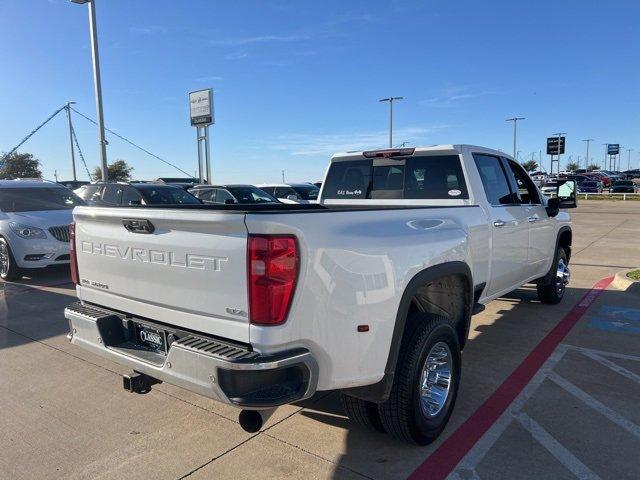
454	95
211	78
259	39
326	144
236	56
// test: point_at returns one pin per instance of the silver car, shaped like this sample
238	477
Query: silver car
34	225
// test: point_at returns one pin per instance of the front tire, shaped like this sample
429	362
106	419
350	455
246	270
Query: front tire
8	268
426	382
553	292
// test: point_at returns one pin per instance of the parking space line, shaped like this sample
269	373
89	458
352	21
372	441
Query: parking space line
613	366
598	406
482	446
555	448
450	452
586	351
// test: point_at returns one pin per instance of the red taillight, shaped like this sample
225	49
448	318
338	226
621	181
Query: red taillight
73	260
272	274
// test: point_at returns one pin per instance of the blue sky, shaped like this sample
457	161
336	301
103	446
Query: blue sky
295	81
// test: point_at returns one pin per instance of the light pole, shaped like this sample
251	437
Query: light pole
97	85
586	161
629	150
515	123
606	150
390	100
73	155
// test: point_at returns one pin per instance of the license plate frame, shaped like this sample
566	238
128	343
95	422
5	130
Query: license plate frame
152	338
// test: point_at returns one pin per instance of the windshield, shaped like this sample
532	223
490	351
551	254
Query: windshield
37	199
164	195
307	192
251	195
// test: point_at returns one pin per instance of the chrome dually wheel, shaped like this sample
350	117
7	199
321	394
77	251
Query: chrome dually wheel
435	380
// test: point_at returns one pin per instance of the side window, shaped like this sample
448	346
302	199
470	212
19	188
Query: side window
208	195
130	194
222	196
435	177
112	194
526	189
284	192
494	179
270	190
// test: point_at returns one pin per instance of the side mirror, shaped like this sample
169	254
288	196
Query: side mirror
553	206
229	201
566	194
135	202
292	197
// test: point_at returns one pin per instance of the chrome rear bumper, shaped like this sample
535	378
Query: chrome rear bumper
224	371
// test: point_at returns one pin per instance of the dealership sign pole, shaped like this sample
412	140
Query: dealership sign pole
201	113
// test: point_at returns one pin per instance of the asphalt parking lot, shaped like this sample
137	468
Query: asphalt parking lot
547	392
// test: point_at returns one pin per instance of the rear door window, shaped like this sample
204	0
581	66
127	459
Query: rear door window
494	180
129	195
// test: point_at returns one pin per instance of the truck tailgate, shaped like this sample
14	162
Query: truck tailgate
190	271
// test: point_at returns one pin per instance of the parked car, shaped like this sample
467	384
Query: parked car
232	194
623	186
539	178
578	178
590	186
603	177
258	307
184	183
34	221
73	184
550	188
130	194
292	192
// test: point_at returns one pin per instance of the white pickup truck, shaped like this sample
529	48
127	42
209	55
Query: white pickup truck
370	291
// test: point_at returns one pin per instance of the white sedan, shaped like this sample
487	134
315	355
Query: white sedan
34	225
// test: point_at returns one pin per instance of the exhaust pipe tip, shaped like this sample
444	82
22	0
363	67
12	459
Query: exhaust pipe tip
252	421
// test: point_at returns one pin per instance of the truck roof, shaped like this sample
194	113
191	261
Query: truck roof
457	148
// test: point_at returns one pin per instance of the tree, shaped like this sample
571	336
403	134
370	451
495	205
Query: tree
573	166
591	167
20	165
530	165
118	171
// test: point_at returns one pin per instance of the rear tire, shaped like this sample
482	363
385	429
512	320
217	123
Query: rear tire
9	270
553	292
362	412
419	406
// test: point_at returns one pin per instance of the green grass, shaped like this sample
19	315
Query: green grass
634	274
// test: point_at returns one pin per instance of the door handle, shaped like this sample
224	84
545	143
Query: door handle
533	218
499	223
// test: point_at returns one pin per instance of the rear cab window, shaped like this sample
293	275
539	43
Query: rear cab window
417	177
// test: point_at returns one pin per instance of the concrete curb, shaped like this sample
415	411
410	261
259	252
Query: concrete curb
624	283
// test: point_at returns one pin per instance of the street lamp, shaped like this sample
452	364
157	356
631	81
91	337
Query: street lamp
515	123
73	155
586	162
390	100
97	85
